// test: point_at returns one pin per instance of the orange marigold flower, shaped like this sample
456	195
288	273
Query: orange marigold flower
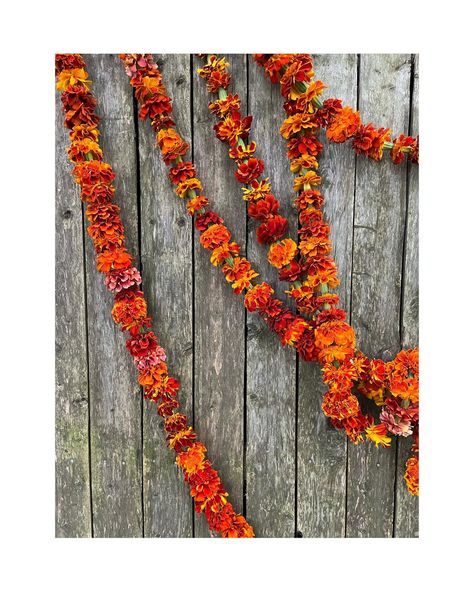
294	331
223	107
171	144
84	131
341	377
179	441
118	258
304	161
214	64
305	100
370	141
79	149
315	246
300	70
148	85
402	145
403	375
223	252
295	123
307	198
187	185
214	236
74	77
130	311
249	170
232	128
243	152
282	253
310	178
275	63
412	476
344	125
335	339
257	297
196	204
340	404
257	190
378	434
181	171
152	377
92	172
240	274
193	459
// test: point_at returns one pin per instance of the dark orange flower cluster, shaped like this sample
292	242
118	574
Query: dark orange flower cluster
95	178
294	73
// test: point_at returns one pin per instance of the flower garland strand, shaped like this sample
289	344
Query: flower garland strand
341	122
311	294
95	178
328	338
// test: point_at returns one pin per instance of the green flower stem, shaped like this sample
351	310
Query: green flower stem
89	156
222	93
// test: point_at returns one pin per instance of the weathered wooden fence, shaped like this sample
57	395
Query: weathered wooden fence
256	407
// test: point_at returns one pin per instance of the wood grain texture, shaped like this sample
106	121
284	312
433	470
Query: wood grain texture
219	344
256	408
271	369
380	203
73	503
167	269
322	450
116	403
406	522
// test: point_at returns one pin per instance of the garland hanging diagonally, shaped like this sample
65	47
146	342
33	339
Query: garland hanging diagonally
95	178
329	338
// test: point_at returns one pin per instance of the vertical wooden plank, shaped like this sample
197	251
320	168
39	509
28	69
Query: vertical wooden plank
116	404
73	504
406	506
271	369
219	345
377	266
166	255
322	450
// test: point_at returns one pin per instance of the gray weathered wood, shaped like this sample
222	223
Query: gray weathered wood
73	503
322	450
406	506
116	404
384	96
167	268
271	369
219	344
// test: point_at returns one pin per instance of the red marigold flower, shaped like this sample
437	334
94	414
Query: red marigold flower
402	145
162	123
257	297
232	128
106	234
329	110
294	331
340	377
68	61
176	423
304	144
354	426
315	229
79	149
101	193
243	152
147	86
272	230
131	310
204	220
171	144
307	198
214	236
196	204
224	252
118	258
257	190
98	213
335	339
142	344
223	107
166	408
181	440
282	253
412	476
315	246
371	141
181	171
295	123
403	375
300	70
249	171
291	272
261	58
116	281
262	209
93	172
304	298
344	125
305	101
413	156
156	104
306	346
192	184
275	63
340	404
79	107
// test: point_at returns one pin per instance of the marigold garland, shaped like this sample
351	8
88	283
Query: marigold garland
327	338
95	177
342	123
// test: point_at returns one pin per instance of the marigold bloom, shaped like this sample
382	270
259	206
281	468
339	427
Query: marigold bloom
116	281
378	434
223	107
370	141
344	125
171	144
315	246
92	172
155	105
300	70
223	252
272	230
400	427
257	190
263	208
232	128
304	144
131	311
308	198
258	296
281	253
214	236
182	439
329	110
340	377
196	204
193	458
403	375
249	170
75	77
98	194
79	149
412	476
181	171
306	346
304	161
294	331
118	258
275	63
192	184
243	152
240	274
142	344
295	123
305	101
148	86
68	61
206	219
401	145
310	178
84	131
340	404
